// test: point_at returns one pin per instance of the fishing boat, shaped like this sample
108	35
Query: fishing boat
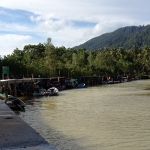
73	83
39	92
53	91
81	85
15	103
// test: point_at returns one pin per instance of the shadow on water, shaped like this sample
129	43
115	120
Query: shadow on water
32	116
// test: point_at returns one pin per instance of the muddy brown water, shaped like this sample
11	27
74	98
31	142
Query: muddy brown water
107	117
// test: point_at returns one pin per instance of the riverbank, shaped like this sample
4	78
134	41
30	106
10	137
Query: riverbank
15	134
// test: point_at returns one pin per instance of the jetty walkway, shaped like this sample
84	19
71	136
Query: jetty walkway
25	86
13	86
15	134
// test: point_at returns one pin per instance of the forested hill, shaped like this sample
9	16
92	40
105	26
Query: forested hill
125	37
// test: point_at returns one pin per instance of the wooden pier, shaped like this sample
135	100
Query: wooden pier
20	87
6	85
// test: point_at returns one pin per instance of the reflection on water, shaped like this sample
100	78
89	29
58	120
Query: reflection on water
109	117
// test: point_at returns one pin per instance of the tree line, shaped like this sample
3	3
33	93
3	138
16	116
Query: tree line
46	60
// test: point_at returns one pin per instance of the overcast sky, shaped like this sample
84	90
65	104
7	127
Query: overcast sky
68	22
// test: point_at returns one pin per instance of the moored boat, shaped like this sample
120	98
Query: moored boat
81	85
39	92
15	104
53	91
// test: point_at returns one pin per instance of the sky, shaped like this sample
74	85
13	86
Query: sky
68	23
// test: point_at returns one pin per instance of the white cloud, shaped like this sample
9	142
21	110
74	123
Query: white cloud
56	19
10	41
50	25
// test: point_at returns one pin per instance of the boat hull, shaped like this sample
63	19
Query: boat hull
15	103
52	92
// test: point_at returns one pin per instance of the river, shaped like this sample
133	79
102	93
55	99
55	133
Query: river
106	117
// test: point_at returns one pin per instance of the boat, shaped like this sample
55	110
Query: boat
81	85
15	104
57	85
73	83
39	92
53	91
2	96
61	87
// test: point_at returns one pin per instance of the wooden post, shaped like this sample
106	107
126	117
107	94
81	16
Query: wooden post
15	89
6	90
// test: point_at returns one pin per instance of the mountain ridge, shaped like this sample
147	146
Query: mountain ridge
125	37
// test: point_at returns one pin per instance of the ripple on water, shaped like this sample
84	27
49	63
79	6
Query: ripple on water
106	117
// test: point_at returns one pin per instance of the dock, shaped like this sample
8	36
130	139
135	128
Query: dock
15	134
25	86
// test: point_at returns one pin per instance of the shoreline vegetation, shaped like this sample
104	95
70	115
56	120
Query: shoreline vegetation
46	60
60	64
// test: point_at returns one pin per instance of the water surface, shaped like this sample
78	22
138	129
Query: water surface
108	117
